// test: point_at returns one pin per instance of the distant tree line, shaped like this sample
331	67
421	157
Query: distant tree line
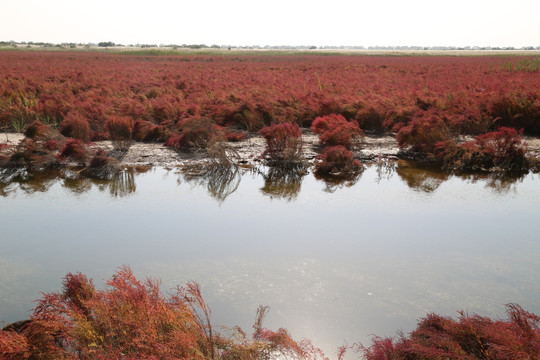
12	43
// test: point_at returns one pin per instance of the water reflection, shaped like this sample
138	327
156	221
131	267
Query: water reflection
222	181
283	182
119	183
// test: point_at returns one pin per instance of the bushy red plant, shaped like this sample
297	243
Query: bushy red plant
147	131
517	110
335	130
423	133
196	133
132	319
120	130
283	142
337	160
470	337
42	132
236	136
99	159
75	126
502	149
13	346
73	150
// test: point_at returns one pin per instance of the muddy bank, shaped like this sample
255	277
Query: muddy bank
249	150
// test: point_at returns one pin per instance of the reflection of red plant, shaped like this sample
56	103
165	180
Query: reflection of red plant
337	160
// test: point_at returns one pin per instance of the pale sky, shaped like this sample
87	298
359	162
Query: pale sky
277	22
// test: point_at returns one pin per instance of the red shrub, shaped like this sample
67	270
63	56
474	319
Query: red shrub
502	149
120	130
73	150
41	132
99	159
131	319
470	337
337	160
423	133
336	130
13	346
75	126
236	136
196	133
147	131
283	141
520	111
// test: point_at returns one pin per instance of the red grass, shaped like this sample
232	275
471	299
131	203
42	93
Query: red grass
196	133
149	132
73	150
75	126
132	319
423	133
283	141
502	149
336	130
470	337
337	160
120	130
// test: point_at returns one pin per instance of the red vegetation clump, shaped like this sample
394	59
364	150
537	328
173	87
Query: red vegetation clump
517	110
423	133
470	337
73	150
147	131
120	130
99	159
196	133
236	136
75	126
132	319
417	97
501	149
336	160
40	132
336	130
283	142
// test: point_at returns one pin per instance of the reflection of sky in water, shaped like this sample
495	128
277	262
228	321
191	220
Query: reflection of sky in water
366	259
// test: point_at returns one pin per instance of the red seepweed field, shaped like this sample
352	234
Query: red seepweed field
426	101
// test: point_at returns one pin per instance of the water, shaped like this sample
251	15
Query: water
335	262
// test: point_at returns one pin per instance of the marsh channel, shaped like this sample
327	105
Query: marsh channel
335	262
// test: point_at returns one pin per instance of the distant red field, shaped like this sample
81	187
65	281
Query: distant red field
185	101
471	94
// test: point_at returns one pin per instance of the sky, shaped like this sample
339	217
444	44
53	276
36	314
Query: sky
277	22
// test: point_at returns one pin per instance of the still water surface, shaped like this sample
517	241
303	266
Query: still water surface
335	263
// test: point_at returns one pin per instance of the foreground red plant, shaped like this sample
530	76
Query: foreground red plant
132	319
502	149
337	160
336	130
120	130
470	337
283	142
